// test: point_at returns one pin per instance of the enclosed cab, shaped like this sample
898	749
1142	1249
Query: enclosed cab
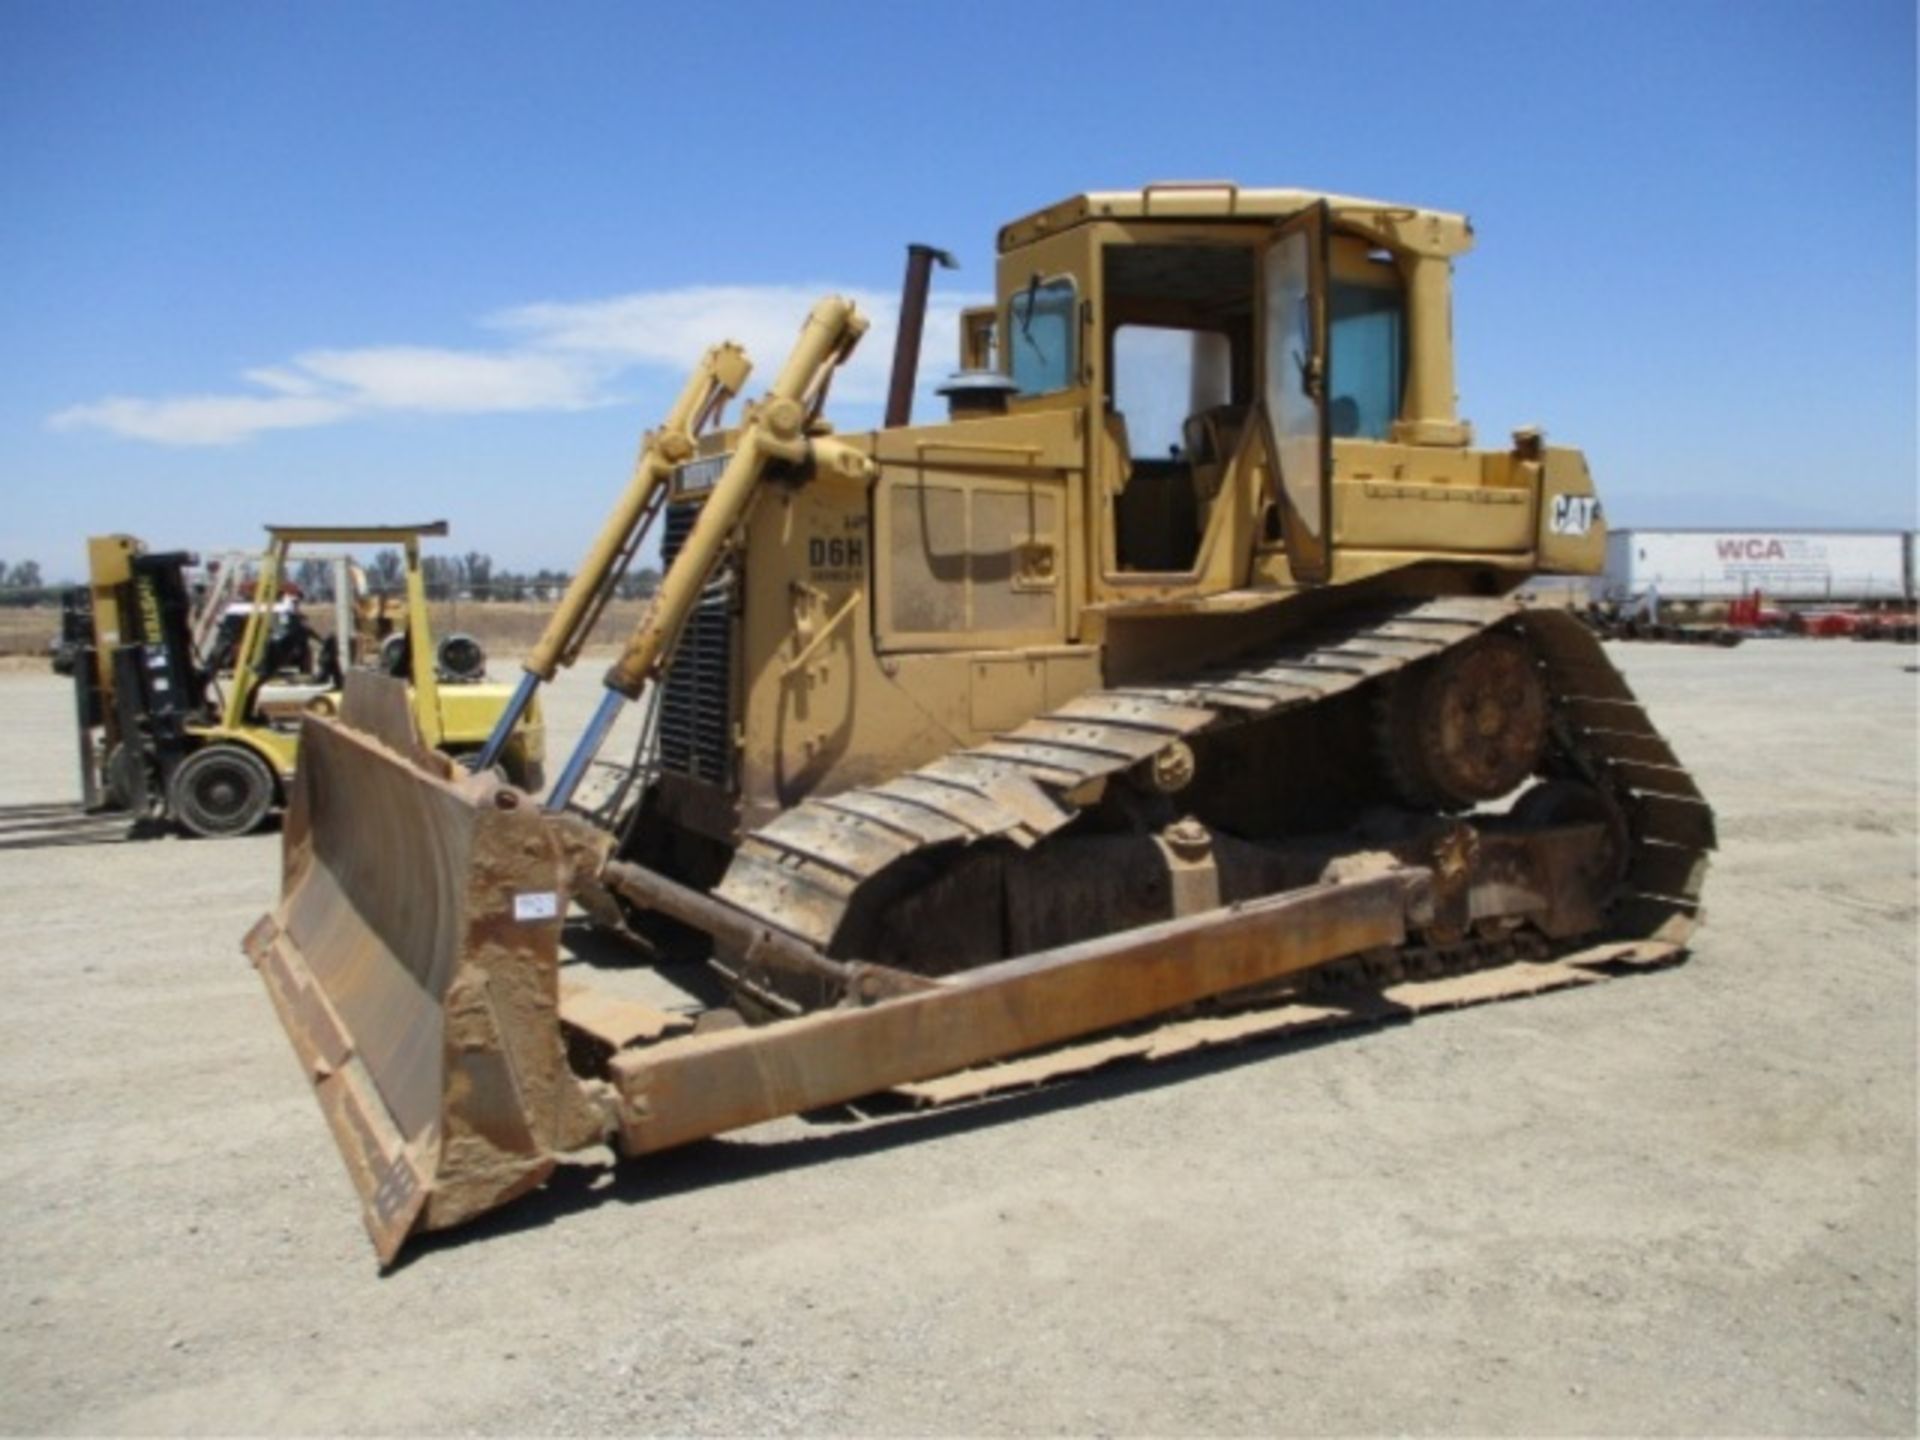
1212	402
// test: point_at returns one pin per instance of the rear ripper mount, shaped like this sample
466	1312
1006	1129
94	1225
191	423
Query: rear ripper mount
449	1084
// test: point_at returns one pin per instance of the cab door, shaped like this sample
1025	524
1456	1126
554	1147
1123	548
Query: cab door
1293	381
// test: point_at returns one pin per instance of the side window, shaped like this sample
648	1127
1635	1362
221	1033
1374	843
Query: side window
1367	327
978	338
1040	336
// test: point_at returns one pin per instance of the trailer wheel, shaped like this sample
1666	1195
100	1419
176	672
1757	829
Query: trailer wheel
221	790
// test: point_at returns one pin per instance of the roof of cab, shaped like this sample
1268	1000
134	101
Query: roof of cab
1434	232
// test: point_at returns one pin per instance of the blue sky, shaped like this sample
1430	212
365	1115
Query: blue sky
388	262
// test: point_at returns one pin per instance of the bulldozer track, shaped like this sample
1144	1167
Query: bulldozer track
801	872
1351	994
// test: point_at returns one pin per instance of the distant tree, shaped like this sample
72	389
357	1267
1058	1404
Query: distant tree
477	572
315	579
639	584
387	573
22	583
442	576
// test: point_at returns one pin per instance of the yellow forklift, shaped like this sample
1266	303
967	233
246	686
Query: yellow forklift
165	737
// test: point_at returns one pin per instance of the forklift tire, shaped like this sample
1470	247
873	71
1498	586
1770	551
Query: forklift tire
221	790
128	784
395	658
460	660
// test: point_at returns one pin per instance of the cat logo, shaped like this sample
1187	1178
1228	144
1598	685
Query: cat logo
1574	514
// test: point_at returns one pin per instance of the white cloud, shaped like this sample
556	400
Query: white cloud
199	419
456	382
286	382
563	356
671	328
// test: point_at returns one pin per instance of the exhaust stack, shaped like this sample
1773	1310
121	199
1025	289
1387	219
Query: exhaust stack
913	322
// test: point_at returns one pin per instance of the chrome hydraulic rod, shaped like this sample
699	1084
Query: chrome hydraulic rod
774	429
591	739
718	377
517	704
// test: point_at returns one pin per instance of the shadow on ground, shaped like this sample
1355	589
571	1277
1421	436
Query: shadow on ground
845	1133
53	825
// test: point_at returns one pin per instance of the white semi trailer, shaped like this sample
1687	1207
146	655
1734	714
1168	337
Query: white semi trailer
1807	566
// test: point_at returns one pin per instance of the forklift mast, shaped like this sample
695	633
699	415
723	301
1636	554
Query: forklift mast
135	677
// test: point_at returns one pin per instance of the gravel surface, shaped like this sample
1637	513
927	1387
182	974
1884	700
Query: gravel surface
1682	1202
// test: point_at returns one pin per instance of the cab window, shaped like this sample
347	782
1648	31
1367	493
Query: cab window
1040	336
1367	333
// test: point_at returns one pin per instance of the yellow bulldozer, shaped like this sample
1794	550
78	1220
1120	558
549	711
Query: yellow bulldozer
1174	688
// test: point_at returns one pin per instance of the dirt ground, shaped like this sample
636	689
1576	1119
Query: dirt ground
1680	1203
27	631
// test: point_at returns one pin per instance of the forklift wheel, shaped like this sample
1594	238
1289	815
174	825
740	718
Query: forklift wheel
128	784
221	790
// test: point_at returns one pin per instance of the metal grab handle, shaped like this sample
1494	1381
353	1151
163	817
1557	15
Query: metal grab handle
1028	453
822	635
1176	187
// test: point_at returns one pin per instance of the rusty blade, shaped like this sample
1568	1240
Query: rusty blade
413	960
391	1173
376	910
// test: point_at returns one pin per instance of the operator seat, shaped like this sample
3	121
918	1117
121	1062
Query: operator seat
1211	437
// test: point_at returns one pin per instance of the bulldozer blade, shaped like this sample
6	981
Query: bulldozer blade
413	960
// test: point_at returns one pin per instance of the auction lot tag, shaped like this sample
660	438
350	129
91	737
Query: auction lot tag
536	905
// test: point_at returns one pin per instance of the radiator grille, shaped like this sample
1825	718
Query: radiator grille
696	699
